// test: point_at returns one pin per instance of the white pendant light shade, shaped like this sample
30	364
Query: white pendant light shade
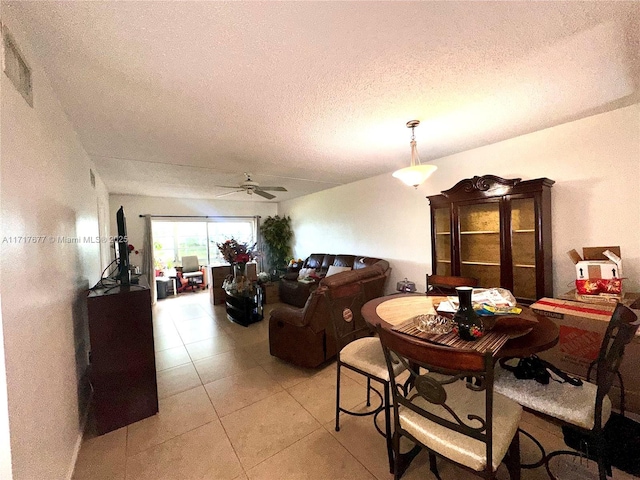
414	175
417	173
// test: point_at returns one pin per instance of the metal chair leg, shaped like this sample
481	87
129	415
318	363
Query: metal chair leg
513	458
338	397
387	424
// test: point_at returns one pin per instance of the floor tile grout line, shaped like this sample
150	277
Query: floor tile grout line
348	451
172	438
235	452
287	446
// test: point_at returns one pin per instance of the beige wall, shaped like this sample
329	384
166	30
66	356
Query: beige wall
45	190
596	199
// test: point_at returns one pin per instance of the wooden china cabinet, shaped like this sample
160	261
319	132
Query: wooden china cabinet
496	230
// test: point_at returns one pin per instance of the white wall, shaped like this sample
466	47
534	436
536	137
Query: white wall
46	191
134	206
595	200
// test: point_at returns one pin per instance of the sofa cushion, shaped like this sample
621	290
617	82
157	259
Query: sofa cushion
333	270
327	261
354	276
315	260
344	261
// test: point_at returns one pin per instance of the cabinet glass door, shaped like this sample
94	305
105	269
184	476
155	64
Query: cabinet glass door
523	247
442	241
480	242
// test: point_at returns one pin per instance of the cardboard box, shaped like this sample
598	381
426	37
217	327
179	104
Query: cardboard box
218	295
271	294
582	327
598	271
218	274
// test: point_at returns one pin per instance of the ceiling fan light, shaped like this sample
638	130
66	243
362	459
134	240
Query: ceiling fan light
414	175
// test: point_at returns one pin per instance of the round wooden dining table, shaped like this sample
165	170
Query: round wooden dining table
392	310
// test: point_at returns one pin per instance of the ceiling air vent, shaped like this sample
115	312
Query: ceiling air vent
15	67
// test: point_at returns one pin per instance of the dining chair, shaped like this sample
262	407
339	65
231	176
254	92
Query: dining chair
446	284
451	408
587	407
359	351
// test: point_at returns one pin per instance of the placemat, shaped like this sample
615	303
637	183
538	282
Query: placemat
491	341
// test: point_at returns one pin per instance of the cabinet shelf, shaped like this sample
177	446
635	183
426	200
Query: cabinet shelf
524	265
476	232
486	264
443	233
526	230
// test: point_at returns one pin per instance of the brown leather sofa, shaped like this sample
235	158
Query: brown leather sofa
296	293
304	335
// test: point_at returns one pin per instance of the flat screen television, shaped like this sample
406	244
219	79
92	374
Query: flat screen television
122	249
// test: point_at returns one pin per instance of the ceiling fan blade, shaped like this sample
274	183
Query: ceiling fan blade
229	193
266	195
227	186
273	189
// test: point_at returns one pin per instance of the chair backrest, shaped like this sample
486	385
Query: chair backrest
446	285
620	331
190	264
433	368
345	303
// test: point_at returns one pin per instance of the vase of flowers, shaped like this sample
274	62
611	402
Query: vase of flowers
237	254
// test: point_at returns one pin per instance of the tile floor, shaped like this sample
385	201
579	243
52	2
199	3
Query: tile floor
229	410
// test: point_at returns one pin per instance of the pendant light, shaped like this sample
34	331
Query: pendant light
416	173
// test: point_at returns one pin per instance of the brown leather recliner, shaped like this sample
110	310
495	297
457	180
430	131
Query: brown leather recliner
304	336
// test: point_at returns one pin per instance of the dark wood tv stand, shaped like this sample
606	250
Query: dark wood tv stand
122	360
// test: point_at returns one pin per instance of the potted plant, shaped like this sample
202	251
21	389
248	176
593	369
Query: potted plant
277	235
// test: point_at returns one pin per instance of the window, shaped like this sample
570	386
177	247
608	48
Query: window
243	231
176	239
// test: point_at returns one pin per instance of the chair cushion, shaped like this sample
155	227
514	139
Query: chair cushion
457	446
366	354
192	274
574	405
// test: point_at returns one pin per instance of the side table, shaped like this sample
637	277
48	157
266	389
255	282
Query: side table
244	307
164	285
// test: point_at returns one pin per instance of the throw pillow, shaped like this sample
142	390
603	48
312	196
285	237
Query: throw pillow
333	270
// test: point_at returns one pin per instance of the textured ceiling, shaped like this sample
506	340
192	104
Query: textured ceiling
173	98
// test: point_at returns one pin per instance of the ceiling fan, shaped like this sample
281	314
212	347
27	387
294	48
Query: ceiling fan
252	187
